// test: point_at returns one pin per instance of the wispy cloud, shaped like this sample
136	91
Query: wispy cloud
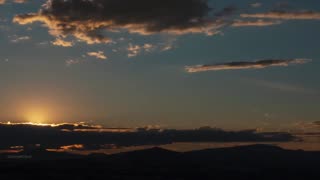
259	22
245	65
61	42
20	1
134	50
285	87
98	55
71	62
286	15
14	1
17	39
308	126
256	5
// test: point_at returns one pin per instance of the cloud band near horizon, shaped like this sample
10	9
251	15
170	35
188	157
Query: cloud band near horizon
59	135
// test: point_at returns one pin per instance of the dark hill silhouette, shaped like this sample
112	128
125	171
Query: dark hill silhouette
256	156
154	157
39	154
153	153
256	162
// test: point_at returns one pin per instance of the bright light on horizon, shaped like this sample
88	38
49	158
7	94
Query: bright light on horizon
37	116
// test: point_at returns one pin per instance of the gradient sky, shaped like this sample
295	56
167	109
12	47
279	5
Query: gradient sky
148	84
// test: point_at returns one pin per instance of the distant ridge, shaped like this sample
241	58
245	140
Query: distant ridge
253	162
254	147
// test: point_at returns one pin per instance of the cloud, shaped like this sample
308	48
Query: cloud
256	5
20	1
17	39
285	87
15	1
308	127
71	62
60	126
81	136
285	15
88	20
61	42
259	22
245	65
98	55
134	50
72	147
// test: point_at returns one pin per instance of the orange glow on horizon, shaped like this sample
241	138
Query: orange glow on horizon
37	116
51	124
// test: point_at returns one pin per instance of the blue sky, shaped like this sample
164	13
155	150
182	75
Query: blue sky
43	82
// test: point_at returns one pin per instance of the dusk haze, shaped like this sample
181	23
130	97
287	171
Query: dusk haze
159	89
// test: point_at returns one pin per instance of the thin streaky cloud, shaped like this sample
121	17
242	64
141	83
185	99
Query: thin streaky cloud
257	23
285	15
17	39
98	55
284	87
20	1
14	1
256	5
71	62
245	65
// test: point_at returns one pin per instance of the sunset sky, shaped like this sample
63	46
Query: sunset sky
169	63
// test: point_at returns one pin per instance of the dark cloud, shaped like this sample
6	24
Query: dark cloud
317	123
245	65
90	20
86	20
62	126
83	137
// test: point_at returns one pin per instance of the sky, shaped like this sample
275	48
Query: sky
174	64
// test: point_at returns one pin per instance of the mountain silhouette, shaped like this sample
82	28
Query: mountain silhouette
242	162
39	154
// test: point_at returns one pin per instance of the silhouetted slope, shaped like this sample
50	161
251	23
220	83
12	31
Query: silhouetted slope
154	157
150	154
256	162
252	156
39	154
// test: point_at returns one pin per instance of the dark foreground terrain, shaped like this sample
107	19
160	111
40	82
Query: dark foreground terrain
256	162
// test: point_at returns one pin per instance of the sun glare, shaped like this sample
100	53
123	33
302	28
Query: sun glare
37	117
